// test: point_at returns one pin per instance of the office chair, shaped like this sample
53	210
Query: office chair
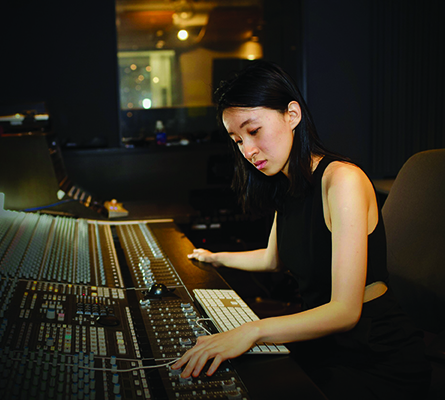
414	216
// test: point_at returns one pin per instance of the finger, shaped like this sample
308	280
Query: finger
178	364
215	365
192	364
205	356
183	360
189	353
195	253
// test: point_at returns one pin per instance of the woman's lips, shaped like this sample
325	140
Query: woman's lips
260	164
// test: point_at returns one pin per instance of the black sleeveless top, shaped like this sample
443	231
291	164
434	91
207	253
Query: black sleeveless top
305	245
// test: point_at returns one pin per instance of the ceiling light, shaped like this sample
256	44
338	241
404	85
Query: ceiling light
183	34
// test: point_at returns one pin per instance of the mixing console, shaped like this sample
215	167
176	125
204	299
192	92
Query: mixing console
79	318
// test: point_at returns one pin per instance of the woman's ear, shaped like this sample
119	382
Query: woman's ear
294	111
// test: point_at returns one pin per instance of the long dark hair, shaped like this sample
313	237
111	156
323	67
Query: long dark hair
264	84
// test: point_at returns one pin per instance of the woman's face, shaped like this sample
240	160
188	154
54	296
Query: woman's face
263	136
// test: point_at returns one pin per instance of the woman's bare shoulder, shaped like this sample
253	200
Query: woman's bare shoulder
345	173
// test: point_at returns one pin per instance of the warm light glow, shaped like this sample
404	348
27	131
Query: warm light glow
183	34
141	77
130	105
148	68
133	67
155	79
252	50
146	103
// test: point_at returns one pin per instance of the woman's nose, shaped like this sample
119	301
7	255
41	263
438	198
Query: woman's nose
249	150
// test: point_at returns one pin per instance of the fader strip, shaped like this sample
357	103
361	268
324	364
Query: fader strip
77	320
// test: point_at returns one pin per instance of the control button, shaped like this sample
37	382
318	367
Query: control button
117	388
51	313
234	396
185	342
228	386
185	381
190	314
175	372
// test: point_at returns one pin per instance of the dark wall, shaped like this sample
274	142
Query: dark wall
337	57
375	74
65	55
283	37
408	64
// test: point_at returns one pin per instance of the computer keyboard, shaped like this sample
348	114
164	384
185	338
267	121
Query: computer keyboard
227	310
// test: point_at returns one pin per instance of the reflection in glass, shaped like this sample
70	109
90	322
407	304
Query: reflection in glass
146	79
172	53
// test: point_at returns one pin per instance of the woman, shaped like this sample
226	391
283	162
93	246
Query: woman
351	338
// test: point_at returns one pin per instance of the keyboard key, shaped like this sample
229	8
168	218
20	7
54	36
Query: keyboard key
228	311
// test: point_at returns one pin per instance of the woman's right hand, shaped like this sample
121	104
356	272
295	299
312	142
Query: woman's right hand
204	256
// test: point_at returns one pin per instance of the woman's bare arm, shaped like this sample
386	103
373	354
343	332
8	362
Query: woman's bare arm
254	260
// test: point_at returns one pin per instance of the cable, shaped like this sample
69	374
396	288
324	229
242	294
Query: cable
113	369
128	369
198	320
48	206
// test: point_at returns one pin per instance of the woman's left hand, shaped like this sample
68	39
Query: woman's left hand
220	347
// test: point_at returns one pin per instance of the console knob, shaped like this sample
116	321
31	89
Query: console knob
51	313
228	386
117	388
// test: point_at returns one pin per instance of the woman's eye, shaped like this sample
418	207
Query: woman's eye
238	142
254	132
